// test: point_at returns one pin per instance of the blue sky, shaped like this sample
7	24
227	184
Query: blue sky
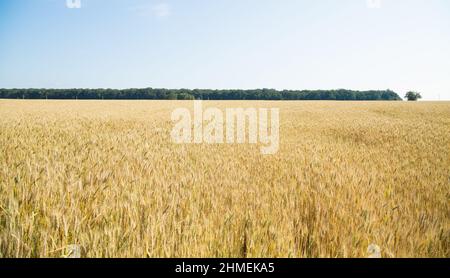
283	44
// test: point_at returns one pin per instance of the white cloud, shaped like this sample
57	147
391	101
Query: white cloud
373	4
160	10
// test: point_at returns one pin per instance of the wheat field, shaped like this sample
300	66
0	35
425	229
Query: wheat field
105	175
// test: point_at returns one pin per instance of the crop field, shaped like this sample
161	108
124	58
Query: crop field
106	176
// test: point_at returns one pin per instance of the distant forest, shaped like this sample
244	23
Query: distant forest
205	94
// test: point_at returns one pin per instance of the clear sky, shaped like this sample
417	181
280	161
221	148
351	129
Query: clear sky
282	44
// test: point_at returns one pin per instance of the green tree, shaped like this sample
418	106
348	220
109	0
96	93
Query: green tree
207	94
172	95
413	96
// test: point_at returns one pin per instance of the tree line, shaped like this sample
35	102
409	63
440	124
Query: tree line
205	94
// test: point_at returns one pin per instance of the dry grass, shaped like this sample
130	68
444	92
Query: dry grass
106	176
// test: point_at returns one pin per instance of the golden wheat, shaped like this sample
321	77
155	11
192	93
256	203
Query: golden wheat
106	176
